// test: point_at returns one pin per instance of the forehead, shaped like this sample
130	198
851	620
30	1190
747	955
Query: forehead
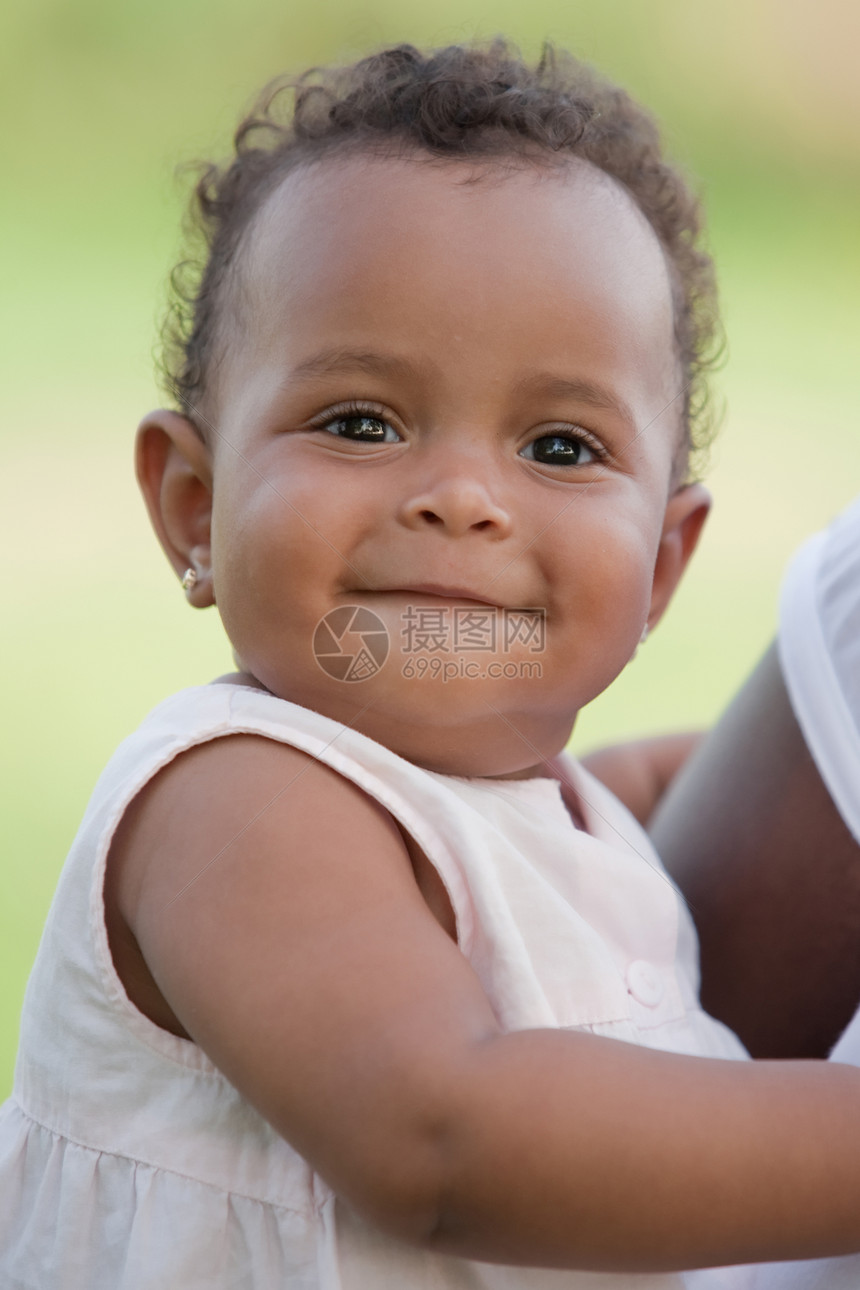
517	260
367	208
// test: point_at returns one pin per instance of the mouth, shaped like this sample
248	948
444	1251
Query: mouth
440	592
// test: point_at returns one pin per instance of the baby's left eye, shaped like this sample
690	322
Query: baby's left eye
362	428
559	450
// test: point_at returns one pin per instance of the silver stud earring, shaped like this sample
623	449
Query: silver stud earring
189	579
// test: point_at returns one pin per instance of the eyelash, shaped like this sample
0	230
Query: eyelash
352	411
374	412
579	435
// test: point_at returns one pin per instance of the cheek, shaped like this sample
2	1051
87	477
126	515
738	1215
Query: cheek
606	578
261	550
259	531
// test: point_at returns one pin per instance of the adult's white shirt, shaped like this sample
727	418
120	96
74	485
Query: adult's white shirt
819	650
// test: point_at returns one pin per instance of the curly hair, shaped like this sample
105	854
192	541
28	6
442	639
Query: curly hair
462	102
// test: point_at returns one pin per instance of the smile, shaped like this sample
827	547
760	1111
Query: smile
442	593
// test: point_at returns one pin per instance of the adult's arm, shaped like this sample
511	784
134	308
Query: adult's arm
771	874
638	772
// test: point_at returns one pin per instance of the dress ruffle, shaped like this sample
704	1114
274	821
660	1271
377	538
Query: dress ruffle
105	1222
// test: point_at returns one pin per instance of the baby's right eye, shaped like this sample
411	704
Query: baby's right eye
362	427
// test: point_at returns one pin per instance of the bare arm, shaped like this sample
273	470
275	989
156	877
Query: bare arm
771	874
639	772
305	962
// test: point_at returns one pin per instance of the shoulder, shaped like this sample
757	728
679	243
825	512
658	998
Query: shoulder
244	806
218	799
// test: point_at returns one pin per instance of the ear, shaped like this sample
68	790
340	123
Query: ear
682	526
174	471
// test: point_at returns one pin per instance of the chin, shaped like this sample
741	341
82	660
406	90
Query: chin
469	727
468	731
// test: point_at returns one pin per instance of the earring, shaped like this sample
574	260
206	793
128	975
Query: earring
189	579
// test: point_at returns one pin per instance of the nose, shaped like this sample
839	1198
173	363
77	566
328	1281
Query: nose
456	503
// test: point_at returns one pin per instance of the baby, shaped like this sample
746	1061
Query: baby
337	991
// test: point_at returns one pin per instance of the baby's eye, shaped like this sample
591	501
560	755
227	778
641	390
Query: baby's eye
559	450
361	427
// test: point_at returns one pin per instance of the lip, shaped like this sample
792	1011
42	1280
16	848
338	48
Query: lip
443	593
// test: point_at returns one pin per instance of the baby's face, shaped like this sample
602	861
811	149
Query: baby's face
448	396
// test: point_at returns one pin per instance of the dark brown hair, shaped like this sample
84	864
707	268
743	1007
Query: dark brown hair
462	102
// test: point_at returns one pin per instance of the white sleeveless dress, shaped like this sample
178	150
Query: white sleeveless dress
129	1162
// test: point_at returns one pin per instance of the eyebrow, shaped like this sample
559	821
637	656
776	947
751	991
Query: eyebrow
578	389
352	360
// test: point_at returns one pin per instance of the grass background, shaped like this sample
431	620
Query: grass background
100	102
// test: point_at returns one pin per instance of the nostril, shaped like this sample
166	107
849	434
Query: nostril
482	524
430	517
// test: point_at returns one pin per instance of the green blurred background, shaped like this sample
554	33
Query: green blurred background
101	101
